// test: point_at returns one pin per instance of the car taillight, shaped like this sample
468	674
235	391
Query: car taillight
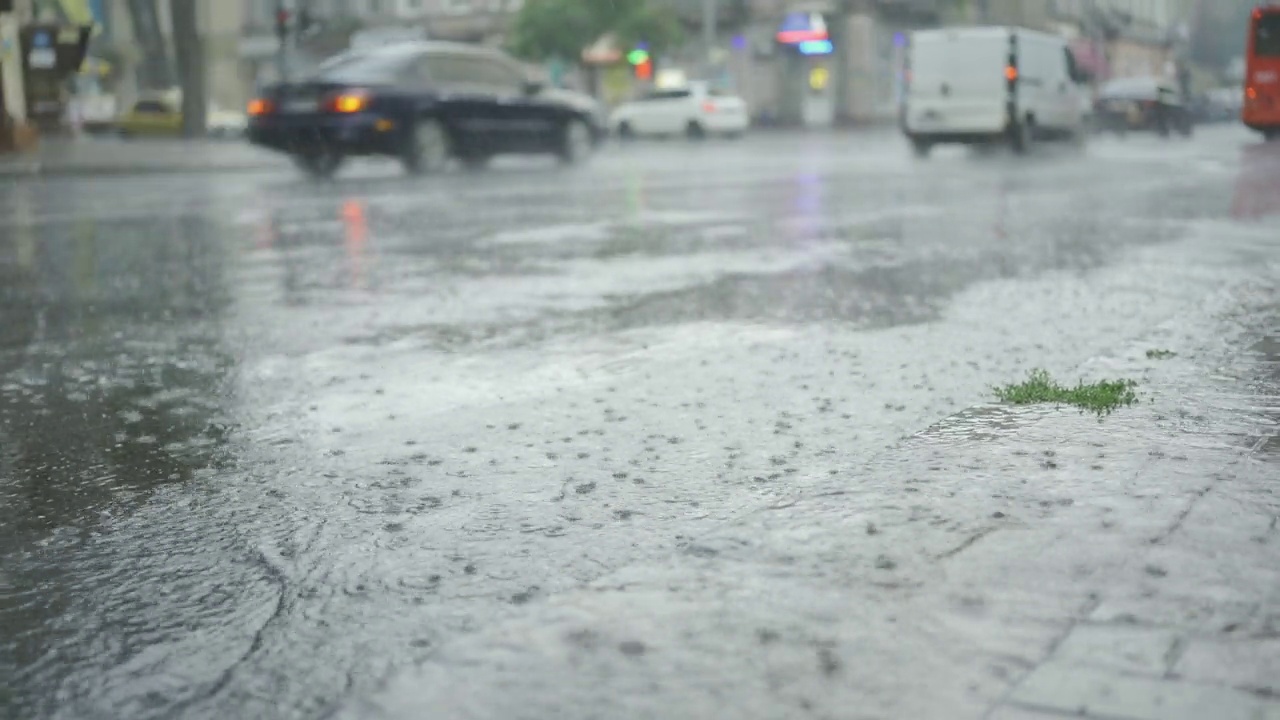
709	107
1251	93
348	102
260	106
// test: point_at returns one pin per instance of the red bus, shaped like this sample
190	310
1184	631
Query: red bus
1262	72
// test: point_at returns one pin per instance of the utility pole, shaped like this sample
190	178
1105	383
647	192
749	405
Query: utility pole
708	34
284	21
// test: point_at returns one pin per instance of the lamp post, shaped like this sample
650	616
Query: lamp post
708	35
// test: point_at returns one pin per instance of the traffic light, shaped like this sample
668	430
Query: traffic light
642	62
282	23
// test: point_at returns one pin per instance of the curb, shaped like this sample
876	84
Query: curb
40	170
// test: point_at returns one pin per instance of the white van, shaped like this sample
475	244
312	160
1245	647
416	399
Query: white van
982	84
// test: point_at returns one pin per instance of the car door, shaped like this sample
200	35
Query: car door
527	120
641	113
467	103
671	113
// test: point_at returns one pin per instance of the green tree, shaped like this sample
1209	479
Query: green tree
562	28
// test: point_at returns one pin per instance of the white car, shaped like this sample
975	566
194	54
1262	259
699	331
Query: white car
976	85
694	111
226	123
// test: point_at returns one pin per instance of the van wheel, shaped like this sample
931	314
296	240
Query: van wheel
427	148
695	131
1020	137
921	148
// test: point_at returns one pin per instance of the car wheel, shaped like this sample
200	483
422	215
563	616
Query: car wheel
1021	137
427	148
625	131
695	131
576	142
319	165
921	147
1271	134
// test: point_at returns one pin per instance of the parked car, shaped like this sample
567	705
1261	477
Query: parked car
422	103
1141	104
695	111
160	115
986	84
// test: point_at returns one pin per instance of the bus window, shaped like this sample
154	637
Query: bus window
1266	36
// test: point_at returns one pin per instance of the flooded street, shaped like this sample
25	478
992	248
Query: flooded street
270	448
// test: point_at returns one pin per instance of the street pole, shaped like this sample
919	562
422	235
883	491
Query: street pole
708	34
283	21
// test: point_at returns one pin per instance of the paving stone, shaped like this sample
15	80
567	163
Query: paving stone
1244	663
1133	649
1098	693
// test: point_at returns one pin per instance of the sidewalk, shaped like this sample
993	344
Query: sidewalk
109	156
1006	564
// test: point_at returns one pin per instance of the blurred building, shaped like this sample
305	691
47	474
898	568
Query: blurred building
118	52
817	63
1111	38
337	22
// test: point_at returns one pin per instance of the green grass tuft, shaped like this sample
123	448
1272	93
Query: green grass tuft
1102	398
1160	354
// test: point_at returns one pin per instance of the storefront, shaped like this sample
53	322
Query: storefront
51	54
809	75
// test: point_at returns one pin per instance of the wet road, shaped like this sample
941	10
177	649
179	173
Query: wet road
264	443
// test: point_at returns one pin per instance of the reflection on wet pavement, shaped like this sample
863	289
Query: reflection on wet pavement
263	443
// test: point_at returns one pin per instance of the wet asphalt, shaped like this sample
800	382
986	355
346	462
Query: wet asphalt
265	443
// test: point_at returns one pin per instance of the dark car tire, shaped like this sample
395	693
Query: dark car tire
695	131
625	131
1271	135
321	165
427	148
921	148
577	142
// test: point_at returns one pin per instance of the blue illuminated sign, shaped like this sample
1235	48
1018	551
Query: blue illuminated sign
816	47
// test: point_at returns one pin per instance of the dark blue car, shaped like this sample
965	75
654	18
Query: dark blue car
423	103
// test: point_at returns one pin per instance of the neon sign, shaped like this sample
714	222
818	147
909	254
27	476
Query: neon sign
802	27
815	47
